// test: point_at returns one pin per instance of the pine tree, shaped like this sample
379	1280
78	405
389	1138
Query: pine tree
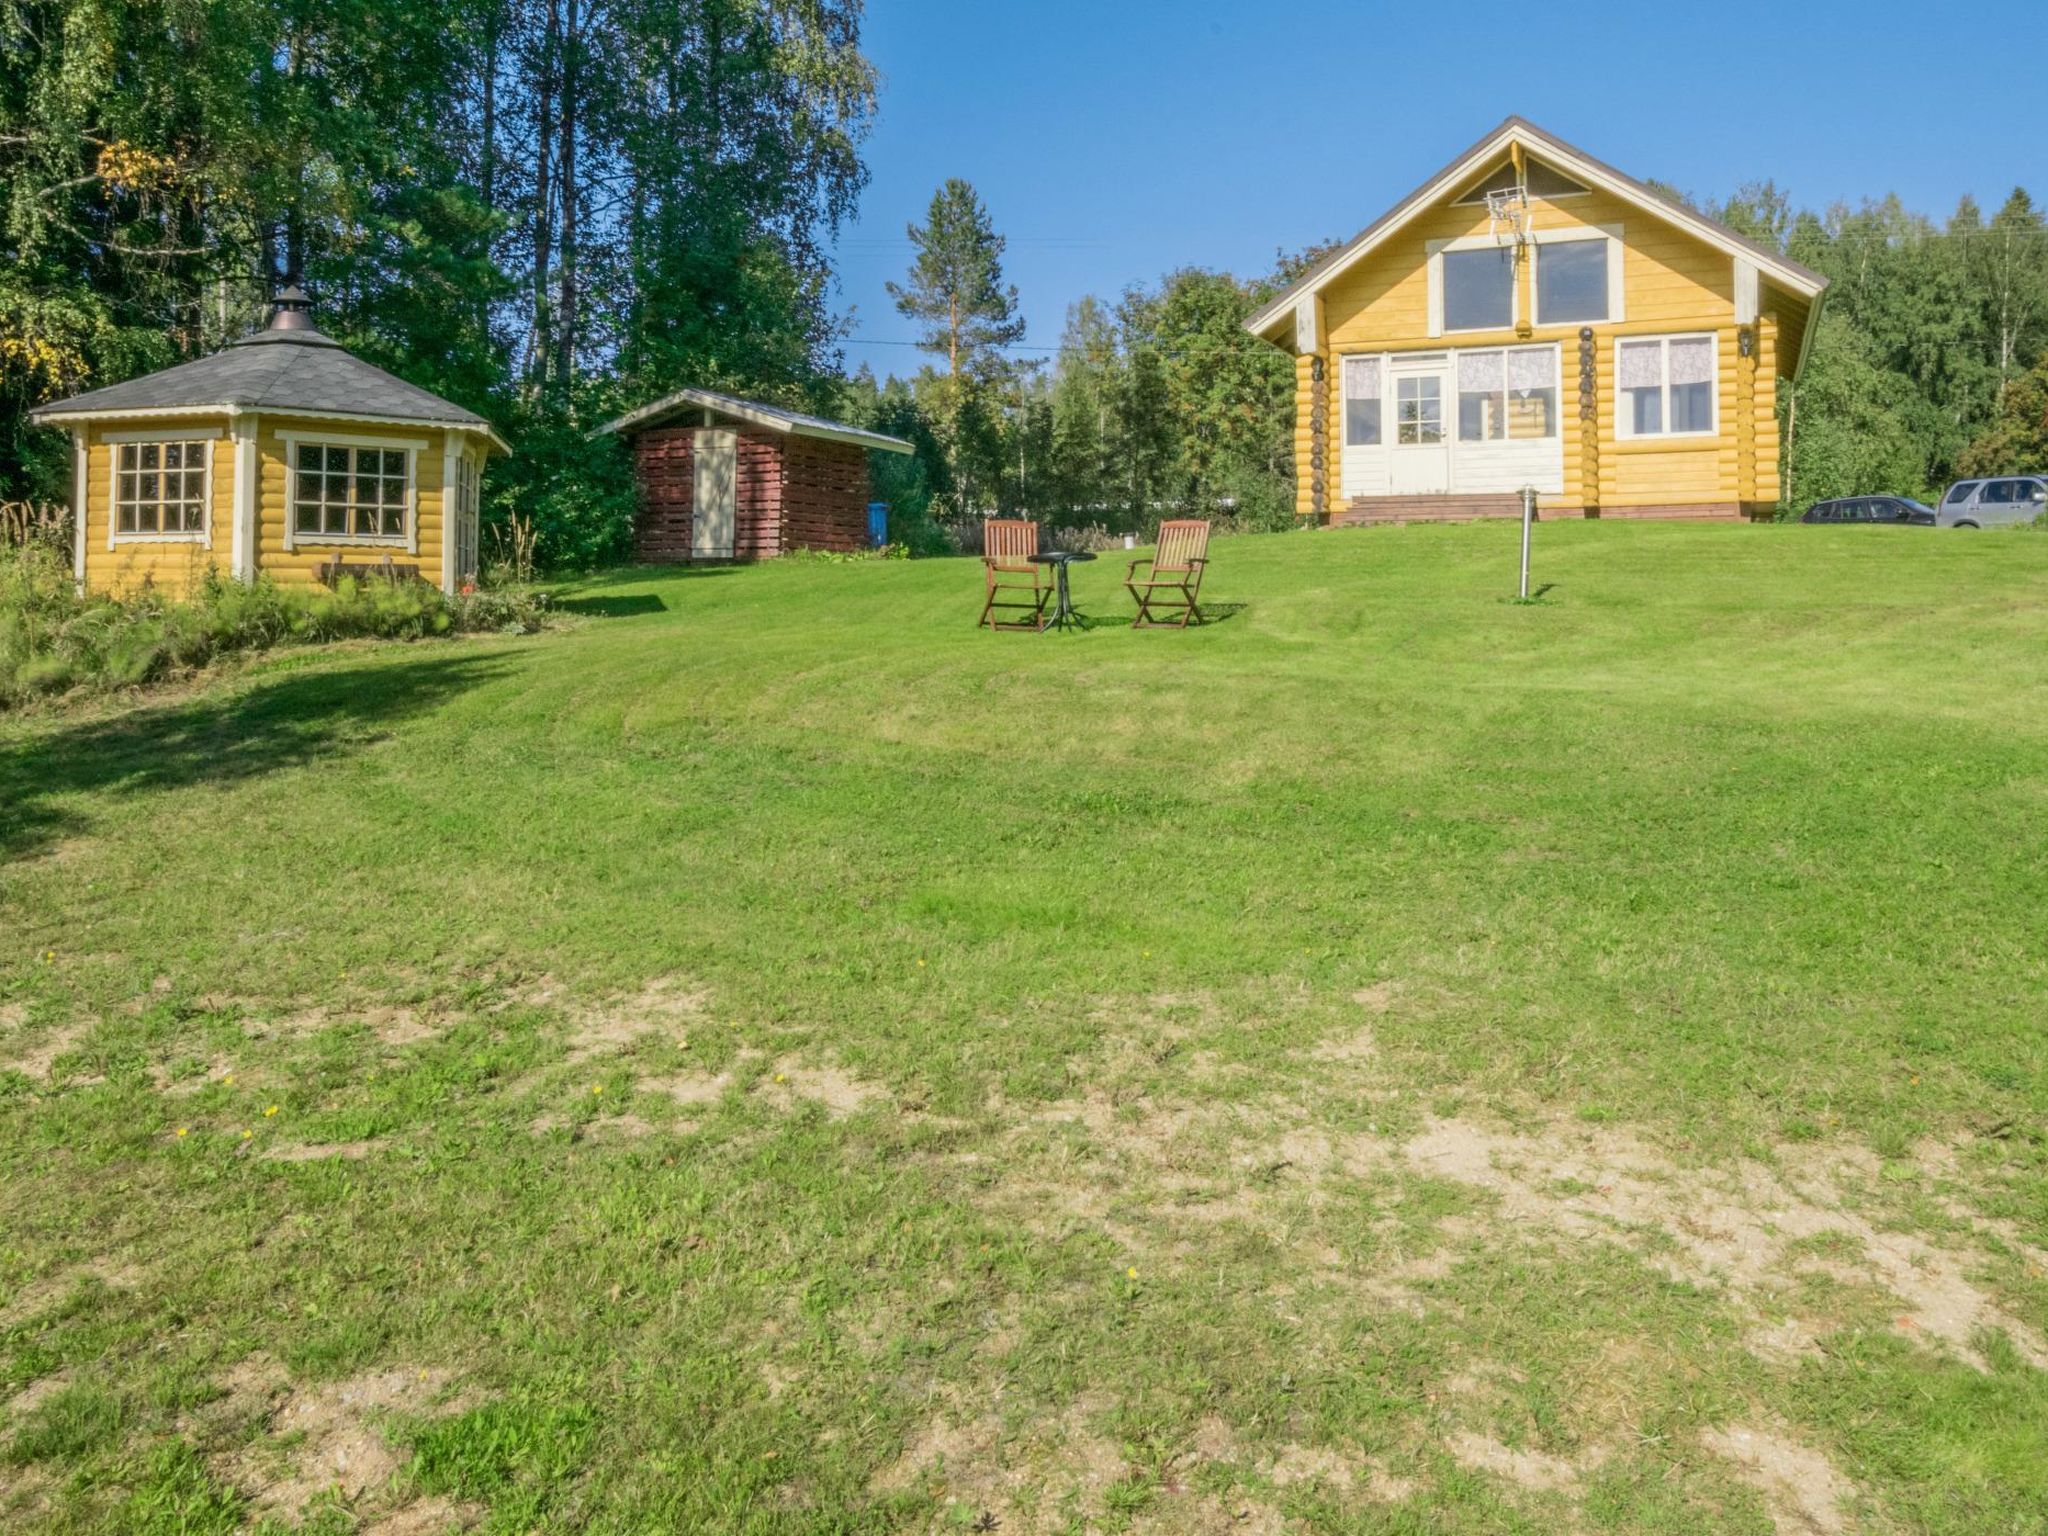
956	284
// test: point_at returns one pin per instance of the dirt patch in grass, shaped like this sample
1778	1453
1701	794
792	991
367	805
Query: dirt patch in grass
39	1296
1734	1228
666	1006
841	1093
324	1438
688	1088
1023	1479
36	1393
1802	1492
426	1517
1531	1470
314	1152
36	1056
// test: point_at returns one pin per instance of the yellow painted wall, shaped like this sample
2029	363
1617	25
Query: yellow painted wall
1672	282
172	565
296	566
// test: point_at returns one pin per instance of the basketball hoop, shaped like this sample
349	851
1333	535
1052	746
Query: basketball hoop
1507	216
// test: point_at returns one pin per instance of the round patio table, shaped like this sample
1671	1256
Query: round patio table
1063	614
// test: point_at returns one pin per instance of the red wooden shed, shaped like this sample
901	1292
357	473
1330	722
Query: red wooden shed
723	478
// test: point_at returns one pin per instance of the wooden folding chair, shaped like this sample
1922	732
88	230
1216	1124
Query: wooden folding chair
1015	585
1166	598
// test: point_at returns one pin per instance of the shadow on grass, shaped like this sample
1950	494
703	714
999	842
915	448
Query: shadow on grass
643	576
221	739
620	607
1212	614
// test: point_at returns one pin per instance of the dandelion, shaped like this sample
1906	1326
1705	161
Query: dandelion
50	955
229	1080
270	1111
1131	1273
247	1134
597	1089
183	1129
782	1077
920	963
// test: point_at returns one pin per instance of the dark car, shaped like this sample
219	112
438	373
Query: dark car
1871	509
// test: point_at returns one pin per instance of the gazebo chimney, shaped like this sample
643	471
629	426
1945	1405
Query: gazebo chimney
291	310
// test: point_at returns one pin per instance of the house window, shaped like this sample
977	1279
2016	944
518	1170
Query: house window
1507	396
1361	402
160	490
1571	282
350	493
1667	386
1479	288
1419	411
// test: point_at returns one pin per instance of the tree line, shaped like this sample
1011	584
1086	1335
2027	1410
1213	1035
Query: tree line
538	208
548	210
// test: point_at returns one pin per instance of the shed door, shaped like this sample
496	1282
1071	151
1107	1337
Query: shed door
714	494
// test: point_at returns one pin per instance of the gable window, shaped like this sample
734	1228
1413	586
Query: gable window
1361	402
1666	385
351	493
1572	282
1507	396
1479	288
160	490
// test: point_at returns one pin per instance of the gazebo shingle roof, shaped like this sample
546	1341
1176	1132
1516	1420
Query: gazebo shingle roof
289	370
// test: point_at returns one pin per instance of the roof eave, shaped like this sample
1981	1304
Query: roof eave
57	416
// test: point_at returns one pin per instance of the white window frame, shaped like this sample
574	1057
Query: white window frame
1344	361
1556	432
115	442
409	540
1616	308
1624	418
1436	249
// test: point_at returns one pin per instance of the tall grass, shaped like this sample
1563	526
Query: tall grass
55	640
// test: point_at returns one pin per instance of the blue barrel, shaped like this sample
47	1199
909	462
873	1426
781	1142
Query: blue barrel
878	523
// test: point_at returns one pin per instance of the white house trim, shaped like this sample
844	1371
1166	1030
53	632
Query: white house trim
451	454
81	465
185	412
248	474
1748	291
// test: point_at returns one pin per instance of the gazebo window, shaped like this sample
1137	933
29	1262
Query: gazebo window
351	493
160	490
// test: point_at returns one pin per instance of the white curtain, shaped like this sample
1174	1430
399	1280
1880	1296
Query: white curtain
1642	364
1479	373
1532	368
1692	361
1361	378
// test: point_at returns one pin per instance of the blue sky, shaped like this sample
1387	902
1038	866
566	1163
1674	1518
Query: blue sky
1118	139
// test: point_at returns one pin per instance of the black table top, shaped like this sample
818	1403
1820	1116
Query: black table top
1059	556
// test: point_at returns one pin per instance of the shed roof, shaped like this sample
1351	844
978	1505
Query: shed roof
290	368
670	408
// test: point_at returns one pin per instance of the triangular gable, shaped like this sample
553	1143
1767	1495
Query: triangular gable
1543	182
1568	161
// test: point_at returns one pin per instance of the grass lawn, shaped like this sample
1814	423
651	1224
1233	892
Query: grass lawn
772	1058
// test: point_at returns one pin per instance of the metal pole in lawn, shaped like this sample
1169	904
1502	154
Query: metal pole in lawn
1528	517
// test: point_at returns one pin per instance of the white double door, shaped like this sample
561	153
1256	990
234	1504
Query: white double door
1419	444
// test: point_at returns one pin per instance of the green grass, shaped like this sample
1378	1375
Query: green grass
808	1065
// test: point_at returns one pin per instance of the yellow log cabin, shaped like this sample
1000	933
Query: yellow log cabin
1533	317
283	456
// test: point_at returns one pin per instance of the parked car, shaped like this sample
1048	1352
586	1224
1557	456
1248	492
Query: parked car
1871	509
1995	503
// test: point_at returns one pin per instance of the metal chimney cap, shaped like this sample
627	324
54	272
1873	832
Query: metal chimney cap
291	309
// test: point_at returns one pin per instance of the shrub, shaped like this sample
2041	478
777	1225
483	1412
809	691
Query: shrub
54	640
